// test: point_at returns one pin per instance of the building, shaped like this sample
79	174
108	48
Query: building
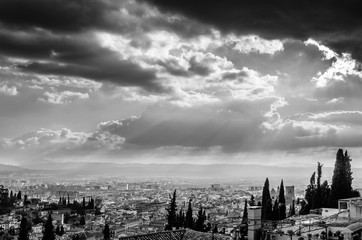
215	186
255	188
254	220
289	194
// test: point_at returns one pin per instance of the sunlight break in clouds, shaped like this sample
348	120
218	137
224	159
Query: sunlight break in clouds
154	81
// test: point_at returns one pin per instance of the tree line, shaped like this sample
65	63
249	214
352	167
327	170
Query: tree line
317	195
179	219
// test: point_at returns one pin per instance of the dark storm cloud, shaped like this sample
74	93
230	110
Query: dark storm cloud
79	56
73	16
58	15
337	23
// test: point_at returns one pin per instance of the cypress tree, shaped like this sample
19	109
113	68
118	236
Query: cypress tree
318	192
171	210
292	209
189	221
180	219
244	221
200	221
275	212
106	232
24	230
215	230
266	202
82	220
252	201
342	179
310	192
245	213
325	194
19	195
48	233
282	207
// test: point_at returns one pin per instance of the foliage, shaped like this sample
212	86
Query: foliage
171	210
266	202
189	221
200	221
24	230
342	179
48	233
317	194
282	207
106	232
292	209
252	201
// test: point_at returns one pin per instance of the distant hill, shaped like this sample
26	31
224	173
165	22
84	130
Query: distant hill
178	170
11	168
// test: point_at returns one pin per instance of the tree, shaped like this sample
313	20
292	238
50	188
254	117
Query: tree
325	194
245	212
282	207
82	220
92	203
215	230
19	195
171	210
83	203
48	233
275	211
266	202
180	219
317	194
189	221
25	200
244	221
310	191
342	179
24	230
252	201
304	208
292	209
106	232
200	221
62	231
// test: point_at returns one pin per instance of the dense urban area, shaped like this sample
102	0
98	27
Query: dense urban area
114	208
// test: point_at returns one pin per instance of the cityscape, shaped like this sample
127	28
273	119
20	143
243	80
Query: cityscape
180	120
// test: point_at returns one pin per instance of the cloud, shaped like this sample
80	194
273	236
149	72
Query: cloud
63	97
7	90
336	24
79	56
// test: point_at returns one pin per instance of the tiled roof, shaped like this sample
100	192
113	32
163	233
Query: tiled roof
183	234
194	235
169	235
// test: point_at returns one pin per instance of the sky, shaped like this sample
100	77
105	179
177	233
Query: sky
158	81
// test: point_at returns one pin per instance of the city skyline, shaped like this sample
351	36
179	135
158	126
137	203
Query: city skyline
176	82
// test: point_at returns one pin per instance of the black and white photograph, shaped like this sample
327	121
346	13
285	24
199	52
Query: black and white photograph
180	120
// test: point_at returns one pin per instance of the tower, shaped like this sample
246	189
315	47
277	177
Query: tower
254	222
289	195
